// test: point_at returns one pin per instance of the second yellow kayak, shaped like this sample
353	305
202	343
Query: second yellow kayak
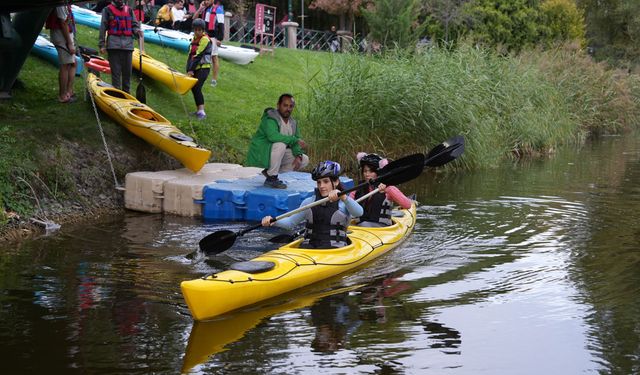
146	123
163	73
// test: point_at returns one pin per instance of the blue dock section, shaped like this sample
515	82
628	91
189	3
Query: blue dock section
248	200
219	192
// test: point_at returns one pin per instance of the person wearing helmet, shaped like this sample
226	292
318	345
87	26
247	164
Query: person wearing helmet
199	64
378	207
326	224
117	30
277	145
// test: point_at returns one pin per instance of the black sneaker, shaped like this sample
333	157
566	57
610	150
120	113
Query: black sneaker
264	173
273	182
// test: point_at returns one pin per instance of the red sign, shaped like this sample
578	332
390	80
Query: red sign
265	19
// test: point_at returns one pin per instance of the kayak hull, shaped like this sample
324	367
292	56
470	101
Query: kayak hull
147	124
294	268
44	49
163	73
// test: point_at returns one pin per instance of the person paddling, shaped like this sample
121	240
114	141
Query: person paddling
377	208
326	223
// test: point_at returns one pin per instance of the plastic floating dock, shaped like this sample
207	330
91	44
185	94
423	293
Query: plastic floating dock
219	192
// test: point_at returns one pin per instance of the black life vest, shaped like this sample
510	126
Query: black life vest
122	21
377	208
326	226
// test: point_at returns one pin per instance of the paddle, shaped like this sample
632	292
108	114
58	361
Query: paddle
141	92
395	173
441	154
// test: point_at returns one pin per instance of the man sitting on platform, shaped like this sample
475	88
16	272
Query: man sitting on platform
277	145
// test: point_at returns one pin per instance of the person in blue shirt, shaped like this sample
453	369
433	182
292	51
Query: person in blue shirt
326	224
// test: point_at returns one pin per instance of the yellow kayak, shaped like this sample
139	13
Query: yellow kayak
146	123
163	73
290	268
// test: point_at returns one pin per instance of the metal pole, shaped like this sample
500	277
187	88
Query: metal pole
290	8
302	20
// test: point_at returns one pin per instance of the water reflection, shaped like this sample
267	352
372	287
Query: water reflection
528	269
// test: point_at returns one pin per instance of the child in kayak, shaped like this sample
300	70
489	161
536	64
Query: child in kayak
377	208
326	223
199	64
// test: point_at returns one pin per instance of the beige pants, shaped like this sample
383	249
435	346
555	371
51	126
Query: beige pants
282	159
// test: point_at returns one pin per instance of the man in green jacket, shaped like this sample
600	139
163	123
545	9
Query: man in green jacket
277	145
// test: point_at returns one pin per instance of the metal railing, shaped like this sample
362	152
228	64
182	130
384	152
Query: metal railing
312	39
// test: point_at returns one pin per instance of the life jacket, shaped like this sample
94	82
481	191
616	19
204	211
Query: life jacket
122	22
377	208
326	226
210	18
205	61
53	22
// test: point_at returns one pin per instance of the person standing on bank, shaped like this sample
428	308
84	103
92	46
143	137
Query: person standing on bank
199	64
118	27
61	27
218	13
326	223
277	145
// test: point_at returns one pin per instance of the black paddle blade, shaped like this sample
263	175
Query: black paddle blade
283	238
141	94
445	152
217	242
286	238
401	170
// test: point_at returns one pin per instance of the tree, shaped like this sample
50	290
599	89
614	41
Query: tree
394	23
346	9
561	20
613	29
512	24
446	13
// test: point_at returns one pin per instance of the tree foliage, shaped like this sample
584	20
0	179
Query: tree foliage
444	18
346	9
561	20
394	23
508	23
613	29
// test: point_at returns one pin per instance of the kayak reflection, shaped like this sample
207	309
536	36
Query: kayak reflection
210	337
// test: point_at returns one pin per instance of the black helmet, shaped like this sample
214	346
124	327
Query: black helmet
326	169
199	22
372	160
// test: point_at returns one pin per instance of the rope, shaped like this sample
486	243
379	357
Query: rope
104	140
95	111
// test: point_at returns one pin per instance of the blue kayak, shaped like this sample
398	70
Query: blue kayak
45	49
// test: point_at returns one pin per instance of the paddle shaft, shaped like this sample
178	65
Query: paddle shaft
399	171
323	200
326	199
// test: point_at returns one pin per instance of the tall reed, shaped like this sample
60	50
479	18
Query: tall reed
401	103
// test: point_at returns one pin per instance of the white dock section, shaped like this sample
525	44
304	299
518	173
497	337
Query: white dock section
174	191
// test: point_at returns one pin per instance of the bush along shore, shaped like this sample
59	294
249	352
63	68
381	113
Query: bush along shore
53	164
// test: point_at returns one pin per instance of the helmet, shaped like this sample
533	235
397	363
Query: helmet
198	23
374	161
326	169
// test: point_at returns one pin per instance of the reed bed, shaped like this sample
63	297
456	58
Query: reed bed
504	106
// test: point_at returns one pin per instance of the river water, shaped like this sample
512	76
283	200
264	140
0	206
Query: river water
529	268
